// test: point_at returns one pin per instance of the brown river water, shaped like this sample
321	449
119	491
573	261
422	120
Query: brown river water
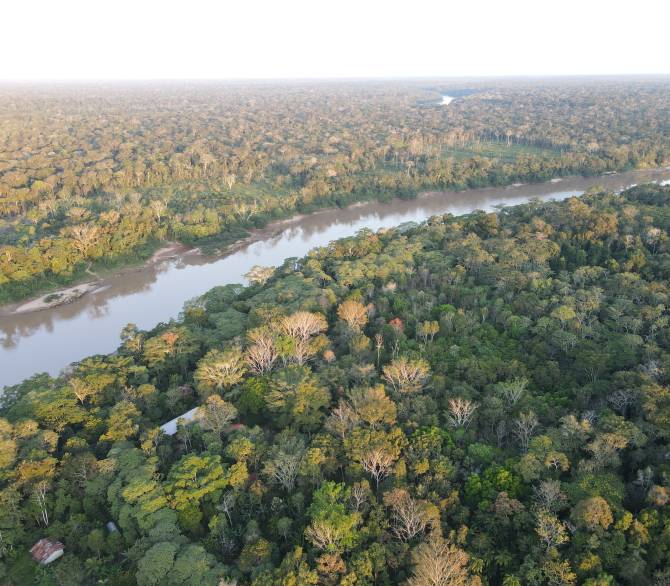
49	340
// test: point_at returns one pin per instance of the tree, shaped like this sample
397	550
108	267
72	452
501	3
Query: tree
297	397
217	414
461	412
8	445
409	517
438	563
564	314
283	462
219	370
194	565
171	350
262	354
353	313
156	564
550	530
81	389
372	406
406	375
259	275
193	478
524	427
122	423
332	529
593	514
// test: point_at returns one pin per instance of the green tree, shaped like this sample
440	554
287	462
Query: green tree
297	398
332	528
219	370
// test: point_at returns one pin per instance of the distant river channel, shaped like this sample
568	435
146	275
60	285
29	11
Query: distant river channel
49	340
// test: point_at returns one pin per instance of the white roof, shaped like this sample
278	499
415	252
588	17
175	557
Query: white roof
170	428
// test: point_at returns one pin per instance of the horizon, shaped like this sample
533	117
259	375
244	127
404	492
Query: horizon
298	40
407	78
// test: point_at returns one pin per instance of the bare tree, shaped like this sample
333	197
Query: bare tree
85	236
438	563
284	463
360	494
342	420
406	375
262	354
40	496
322	534
549	496
378	463
226	504
461	412
302	325
551	530
158	208
622	399
81	389
501	433
229	180
409	517
303	352
427	330
379	345
524	428
512	391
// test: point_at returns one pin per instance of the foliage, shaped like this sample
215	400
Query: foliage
101	178
481	399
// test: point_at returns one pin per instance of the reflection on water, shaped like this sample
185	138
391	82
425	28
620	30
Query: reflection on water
51	339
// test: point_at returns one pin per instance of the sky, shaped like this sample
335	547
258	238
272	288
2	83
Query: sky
261	39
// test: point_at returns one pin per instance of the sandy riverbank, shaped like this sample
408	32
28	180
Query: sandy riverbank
53	299
69	294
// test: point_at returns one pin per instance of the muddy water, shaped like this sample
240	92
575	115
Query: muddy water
49	340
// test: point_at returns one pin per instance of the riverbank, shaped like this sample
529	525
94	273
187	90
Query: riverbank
72	293
53	298
173	250
19	294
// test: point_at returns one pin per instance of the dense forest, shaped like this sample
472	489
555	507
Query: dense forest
96	176
476	400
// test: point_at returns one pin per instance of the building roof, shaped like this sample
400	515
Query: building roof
43	551
170	428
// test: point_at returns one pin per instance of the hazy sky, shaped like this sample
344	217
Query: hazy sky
139	39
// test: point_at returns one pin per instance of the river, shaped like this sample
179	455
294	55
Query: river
49	340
